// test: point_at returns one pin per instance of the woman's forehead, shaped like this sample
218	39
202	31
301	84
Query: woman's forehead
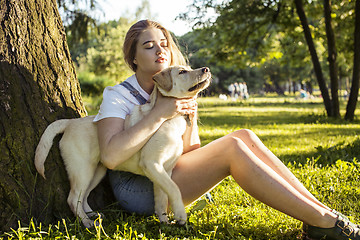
151	34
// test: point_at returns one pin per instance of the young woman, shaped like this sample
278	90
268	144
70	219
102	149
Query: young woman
149	48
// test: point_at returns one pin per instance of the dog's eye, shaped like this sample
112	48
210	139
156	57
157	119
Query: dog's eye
183	71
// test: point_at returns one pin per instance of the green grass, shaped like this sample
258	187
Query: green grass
323	153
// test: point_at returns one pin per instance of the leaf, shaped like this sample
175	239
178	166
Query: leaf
200	205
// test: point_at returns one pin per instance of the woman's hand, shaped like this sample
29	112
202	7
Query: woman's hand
170	107
190	108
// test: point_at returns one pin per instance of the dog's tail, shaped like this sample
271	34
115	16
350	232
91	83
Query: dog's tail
46	142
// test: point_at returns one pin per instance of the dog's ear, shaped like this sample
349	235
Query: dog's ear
164	79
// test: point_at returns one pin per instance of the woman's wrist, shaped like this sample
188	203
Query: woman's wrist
157	118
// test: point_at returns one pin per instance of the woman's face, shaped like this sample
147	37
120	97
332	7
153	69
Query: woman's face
152	52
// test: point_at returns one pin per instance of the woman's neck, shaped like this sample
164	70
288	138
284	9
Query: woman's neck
145	81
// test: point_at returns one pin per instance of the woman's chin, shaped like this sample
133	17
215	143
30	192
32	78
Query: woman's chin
162	67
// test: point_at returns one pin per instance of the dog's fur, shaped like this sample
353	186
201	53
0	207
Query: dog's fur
79	147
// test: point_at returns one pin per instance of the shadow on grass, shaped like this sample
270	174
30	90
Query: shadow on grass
327	155
307	129
268	102
239	118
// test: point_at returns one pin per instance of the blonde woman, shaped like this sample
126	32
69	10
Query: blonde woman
149	48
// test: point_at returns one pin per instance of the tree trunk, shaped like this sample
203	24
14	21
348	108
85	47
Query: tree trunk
351	106
315	60
332	54
37	86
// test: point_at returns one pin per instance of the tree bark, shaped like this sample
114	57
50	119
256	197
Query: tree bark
37	86
315	60
354	92
332	54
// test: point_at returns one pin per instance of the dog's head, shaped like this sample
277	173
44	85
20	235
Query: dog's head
182	81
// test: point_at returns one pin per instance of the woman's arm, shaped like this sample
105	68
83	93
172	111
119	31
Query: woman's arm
117	145
191	139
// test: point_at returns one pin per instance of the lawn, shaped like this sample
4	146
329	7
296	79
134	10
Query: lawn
323	153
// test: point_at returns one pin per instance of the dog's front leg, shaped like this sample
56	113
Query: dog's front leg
157	174
161	203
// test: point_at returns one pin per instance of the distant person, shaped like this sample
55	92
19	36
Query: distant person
245	90
231	90
241	90
148	49
303	94
237	90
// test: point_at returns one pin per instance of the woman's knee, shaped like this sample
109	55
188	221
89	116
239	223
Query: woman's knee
244	134
234	143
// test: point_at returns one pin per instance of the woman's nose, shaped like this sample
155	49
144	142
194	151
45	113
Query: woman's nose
159	50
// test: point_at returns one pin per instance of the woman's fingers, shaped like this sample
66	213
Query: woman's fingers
187	106
170	107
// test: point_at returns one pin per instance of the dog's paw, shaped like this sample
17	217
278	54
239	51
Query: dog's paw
94	215
181	222
94	219
163	218
180	217
88	223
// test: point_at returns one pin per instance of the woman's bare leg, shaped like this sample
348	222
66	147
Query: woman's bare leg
262	152
198	171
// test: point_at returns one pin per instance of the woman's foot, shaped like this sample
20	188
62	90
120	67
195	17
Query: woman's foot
345	218
343	230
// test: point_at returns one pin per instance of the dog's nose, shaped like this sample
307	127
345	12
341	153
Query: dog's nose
205	69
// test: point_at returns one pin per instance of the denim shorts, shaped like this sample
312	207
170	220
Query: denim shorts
134	193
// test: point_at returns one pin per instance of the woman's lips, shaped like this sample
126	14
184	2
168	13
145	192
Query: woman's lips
161	60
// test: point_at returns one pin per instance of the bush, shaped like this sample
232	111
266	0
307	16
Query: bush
92	85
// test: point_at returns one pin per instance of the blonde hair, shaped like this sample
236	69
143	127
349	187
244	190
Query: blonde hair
132	37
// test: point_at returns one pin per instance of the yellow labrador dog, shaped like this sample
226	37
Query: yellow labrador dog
80	151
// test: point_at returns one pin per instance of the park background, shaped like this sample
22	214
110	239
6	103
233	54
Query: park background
259	42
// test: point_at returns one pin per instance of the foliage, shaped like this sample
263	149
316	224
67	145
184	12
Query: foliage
78	17
104	57
100	62
265	36
322	153
92	85
98	52
199	54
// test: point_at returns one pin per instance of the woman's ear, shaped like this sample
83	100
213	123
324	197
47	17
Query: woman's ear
134	61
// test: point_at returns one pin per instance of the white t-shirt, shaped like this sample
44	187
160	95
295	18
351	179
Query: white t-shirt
118	101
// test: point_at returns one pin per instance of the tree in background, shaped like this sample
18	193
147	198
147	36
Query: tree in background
354	93
79	19
314	57
245	32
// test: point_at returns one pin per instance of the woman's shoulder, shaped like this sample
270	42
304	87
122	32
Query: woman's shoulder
119	88
117	102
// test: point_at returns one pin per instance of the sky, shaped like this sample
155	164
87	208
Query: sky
164	12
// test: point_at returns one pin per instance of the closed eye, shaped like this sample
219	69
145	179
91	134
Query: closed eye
183	71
